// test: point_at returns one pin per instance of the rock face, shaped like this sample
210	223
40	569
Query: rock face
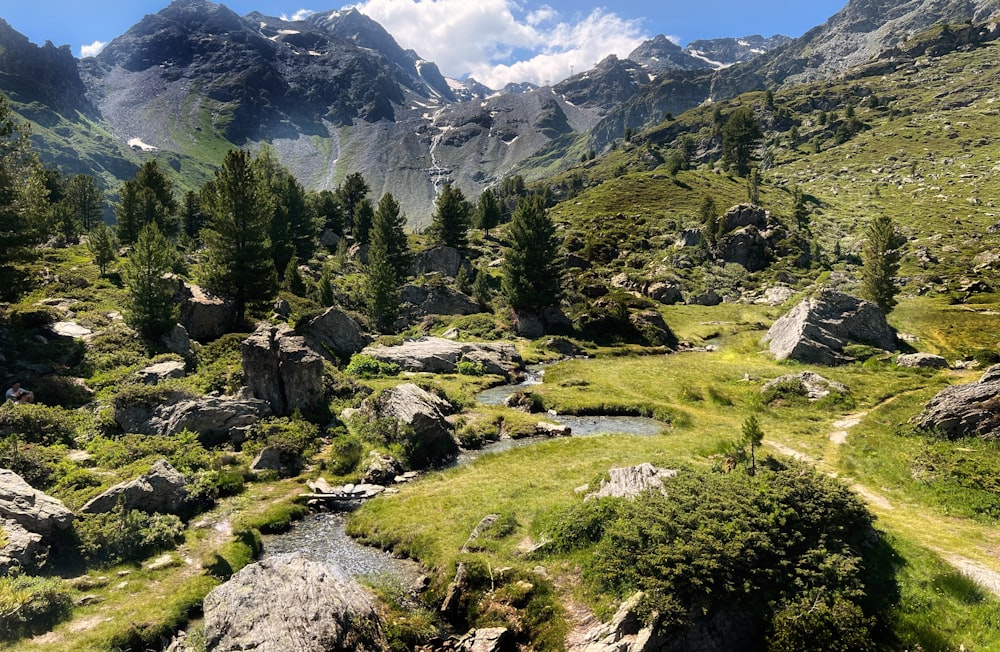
23	548
432	438
551	321
31	509
440	355
159	372
162	489
281	369
625	632
921	361
749	237
440	259
416	301
817	329
289	603
205	316
630	481
966	410
808	384
336	333
214	418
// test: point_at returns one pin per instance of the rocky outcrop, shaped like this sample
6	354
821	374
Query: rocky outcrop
281	369
162	489
28	520
631	481
487	639
550	321
205	316
921	361
442	260
440	355
213	418
807	383
429	436
289	603
625	632
336	334
277	460
817	330
966	410
748	237
157	373
416	301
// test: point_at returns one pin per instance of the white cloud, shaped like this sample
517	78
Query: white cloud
301	14
497	41
92	50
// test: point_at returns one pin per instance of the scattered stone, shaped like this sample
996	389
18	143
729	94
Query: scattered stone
381	469
163	489
630	481
70	329
487	639
157	373
287	602
666	293
966	410
440	355
547	429
562	346
166	560
710	298
281	369
816	330
921	361
31	509
807	383
336	334
205	316
777	295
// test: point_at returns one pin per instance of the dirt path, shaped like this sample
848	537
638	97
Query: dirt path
986	578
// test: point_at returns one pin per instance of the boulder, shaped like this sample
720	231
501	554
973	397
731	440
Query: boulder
631	481
287	602
966	410
161	489
625	632
807	383
205	316
665	293
431	439
487	639
157	373
380	469
709	298
214	418
746	247
776	295
442	260
31	509
178	341
689	238
336	334
416	301
22	549
653	329
278	460
329	239
921	361
441	355
816	330
744	215
281	369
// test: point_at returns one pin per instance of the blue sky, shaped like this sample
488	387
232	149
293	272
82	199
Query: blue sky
496	41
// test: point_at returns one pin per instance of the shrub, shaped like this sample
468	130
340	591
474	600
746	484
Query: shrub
345	453
38	424
183	450
37	465
292	436
29	605
365	366
220	367
123	535
471	368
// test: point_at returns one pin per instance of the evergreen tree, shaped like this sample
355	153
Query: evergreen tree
23	203
84	198
293	230
192	217
488	211
753	186
326	209
740	137
150	307
709	219
64	220
481	290
880	263
532	274
147	198
364	214
800	212
387	227
450	222
327	297
388	264
753	437
104	246
350	193
238	251
293	278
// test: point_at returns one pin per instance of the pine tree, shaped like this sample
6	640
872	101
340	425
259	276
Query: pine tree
23	203
451	219
150	307
532	275
709	219
388	264
326	293
147	198
326	209
84	198
350	193
238	251
192	217
293	229
753	437
293	278
104	246
880	263
740	137
387	227
488	211
800	212
481	290
364	214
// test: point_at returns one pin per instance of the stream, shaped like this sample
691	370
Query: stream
322	537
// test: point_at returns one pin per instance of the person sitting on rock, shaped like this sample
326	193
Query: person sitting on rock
18	394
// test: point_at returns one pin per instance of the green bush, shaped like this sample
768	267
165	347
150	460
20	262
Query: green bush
31	605
293	436
36	464
38	424
365	366
123	535
470	368
183	450
220	367
735	546
345	453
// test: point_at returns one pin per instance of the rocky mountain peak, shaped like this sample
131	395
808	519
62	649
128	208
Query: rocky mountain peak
660	54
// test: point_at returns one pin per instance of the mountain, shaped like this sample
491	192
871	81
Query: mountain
725	52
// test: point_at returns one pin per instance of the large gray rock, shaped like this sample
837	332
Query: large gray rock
744	215
817	329
550	321
440	355
625	632
416	301
921	361
287	602
30	508
336	333
22	549
747	247
161	371
213	418
966	410
807	383
431	438
281	369
440	259
631	481
205	316
162	489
